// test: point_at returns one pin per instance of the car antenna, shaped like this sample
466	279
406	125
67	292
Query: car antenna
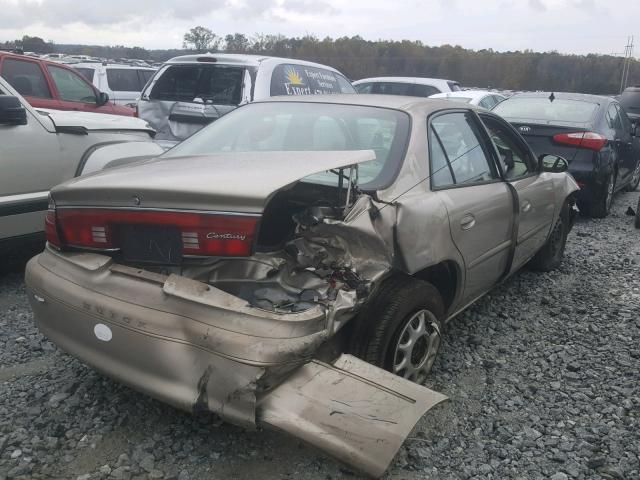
552	97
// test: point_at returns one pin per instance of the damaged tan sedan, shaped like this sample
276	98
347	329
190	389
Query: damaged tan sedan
294	263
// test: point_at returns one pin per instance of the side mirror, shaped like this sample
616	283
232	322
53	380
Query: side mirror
102	99
552	163
12	112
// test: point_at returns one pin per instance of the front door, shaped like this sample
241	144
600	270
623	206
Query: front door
480	205
534	189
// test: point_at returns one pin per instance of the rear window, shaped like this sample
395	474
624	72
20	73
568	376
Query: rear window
86	72
298	126
26	77
123	80
630	100
145	76
288	79
543	109
217	84
392	88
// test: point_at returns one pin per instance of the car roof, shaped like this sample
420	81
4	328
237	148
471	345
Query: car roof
18	56
418	80
241	59
584	97
398	102
108	65
472	94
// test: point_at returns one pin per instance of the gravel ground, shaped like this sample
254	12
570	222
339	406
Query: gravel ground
543	376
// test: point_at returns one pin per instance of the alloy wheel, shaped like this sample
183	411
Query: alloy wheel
417	346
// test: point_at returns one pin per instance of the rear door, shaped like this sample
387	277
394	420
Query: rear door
623	143
534	189
30	81
480	205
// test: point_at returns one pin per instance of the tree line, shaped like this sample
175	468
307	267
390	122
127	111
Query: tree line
359	58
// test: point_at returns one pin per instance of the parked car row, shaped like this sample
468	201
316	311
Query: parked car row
293	260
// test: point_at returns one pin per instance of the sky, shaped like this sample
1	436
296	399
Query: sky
568	26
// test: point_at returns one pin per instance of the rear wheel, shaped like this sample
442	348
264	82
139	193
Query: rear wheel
601	205
635	178
549	257
401	328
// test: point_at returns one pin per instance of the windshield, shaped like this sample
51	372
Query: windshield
541	108
300	126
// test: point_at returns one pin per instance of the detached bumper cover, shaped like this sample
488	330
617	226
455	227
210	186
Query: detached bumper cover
198	348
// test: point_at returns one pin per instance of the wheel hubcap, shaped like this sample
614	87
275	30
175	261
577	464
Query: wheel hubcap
417	347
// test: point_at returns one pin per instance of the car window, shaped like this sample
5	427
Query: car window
542	108
71	86
624	119
26	77
298	126
487	102
145	76
392	88
290	79
88	73
424	90
460	139
123	80
498	99
217	84
613	117
441	174
515	160
364	87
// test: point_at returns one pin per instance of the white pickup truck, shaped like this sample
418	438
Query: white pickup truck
42	148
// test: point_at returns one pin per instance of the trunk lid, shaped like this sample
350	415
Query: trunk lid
229	182
540	136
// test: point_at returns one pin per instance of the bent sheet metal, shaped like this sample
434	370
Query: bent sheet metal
356	412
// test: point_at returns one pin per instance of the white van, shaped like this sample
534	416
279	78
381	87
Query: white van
191	91
123	83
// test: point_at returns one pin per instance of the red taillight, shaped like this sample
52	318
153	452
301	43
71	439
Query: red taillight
589	140
201	233
50	227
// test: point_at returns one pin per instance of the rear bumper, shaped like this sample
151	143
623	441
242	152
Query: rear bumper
198	348
177	340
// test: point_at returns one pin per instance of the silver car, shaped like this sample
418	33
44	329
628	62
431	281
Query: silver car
191	91
294	264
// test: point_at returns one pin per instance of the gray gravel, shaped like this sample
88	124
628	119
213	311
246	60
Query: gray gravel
543	376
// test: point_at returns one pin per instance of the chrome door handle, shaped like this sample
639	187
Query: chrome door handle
467	222
525	206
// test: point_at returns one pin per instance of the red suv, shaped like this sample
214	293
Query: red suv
46	84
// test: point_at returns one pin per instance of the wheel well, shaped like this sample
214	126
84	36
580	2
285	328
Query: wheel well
443	276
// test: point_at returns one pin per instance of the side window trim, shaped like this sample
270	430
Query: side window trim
483	145
446	156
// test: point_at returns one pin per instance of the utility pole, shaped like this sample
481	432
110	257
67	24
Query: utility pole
626	63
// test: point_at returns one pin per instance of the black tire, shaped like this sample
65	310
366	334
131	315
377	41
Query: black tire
635	179
601	204
395	310
549	257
